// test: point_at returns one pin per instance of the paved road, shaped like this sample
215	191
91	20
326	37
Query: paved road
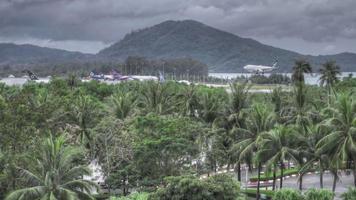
311	180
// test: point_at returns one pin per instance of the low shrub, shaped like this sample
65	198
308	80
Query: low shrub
314	194
287	194
252	192
133	196
350	194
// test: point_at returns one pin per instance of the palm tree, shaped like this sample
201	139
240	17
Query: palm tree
277	146
301	66
299	113
277	100
234	117
157	98
309	150
189	100
123	104
72	80
260	120
340	144
328	78
55	175
84	113
210	106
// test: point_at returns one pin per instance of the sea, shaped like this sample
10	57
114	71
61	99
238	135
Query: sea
311	79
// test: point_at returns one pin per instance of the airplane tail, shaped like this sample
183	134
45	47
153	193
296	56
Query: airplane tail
92	74
115	74
161	77
275	64
31	75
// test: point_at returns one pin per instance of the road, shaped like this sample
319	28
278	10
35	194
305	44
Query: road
311	180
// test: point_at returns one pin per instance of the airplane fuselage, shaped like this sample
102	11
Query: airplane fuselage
258	68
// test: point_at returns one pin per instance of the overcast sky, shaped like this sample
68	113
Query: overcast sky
306	26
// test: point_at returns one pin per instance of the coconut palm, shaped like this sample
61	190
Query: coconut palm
189	100
260	120
328	78
340	144
55	175
234	117
72	80
157	98
299	113
301	66
309	150
277	100
210	106
276	146
84	113
123	104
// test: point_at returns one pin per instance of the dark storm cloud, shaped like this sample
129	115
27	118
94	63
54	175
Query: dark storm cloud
110	20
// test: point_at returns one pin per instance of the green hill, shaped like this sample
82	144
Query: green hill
222	51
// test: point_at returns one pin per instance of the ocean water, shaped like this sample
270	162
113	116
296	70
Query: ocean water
311	79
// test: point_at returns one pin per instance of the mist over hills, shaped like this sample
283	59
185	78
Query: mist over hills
220	50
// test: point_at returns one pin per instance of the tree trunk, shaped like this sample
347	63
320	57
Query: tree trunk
288	164
334	181
238	170
301	182
281	178
321	175
354	177
258	181
274	177
321	179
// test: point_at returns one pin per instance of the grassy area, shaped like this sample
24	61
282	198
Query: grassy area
255	86
269	176
252	192
269	86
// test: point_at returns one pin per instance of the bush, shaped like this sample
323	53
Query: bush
134	196
252	192
287	194
314	194
192	188
350	194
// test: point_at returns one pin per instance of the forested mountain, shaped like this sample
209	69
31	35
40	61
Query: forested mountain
222	51
30	54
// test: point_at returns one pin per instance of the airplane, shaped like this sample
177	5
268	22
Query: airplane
144	78
95	76
261	69
113	76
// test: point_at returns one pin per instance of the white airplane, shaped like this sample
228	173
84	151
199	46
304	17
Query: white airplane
261	69
144	78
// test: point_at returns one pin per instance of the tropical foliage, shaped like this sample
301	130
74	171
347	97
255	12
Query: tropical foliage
140	133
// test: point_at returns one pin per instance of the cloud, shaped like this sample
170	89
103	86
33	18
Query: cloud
108	21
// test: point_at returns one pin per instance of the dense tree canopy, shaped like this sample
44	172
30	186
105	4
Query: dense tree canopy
140	133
